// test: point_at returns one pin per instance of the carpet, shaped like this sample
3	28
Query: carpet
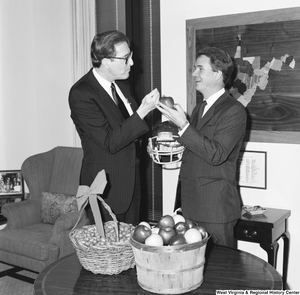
11	286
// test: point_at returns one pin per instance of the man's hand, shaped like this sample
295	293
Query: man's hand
176	115
149	103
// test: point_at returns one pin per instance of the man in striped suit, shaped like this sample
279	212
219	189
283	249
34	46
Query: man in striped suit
110	123
213	139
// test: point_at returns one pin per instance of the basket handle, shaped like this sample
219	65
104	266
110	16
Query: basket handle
98	219
106	206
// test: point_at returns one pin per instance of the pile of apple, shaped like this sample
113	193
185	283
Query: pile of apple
169	231
88	236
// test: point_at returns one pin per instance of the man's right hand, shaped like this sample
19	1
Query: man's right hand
149	103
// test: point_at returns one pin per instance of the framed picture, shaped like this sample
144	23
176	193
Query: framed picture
11	188
11	184
266	48
253	169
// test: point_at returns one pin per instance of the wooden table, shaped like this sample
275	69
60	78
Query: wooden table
266	229
225	268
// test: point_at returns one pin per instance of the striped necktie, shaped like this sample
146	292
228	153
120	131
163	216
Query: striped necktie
200	112
119	102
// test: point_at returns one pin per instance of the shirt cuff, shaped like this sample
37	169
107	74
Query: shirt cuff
183	129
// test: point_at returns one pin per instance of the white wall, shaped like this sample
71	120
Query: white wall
282	159
35	77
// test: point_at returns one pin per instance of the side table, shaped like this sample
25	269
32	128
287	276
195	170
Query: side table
266	229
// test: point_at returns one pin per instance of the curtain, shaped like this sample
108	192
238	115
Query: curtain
83	29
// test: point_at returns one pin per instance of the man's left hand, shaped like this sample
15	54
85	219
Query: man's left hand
175	114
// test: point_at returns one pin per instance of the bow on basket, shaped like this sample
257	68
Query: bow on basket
86	194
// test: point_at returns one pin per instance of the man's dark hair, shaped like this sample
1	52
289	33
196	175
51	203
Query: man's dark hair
103	45
220	61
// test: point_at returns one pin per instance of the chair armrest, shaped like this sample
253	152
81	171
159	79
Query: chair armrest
21	214
62	227
67	221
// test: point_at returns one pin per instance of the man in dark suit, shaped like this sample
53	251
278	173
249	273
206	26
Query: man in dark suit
213	139
110	123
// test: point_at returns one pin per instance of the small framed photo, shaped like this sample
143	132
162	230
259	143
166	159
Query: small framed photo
11	184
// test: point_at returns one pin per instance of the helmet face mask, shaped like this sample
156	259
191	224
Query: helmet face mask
163	147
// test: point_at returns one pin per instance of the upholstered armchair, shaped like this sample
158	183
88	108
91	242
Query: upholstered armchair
37	230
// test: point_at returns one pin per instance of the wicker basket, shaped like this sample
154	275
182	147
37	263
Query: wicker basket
111	257
170	269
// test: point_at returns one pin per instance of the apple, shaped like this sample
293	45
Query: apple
166	233
177	240
166	221
141	233
154	240
181	227
145	223
190	222
168	101
155	230
192	235
202	230
178	218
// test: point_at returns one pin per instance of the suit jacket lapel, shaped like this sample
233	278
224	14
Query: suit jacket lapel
99	89
103	97
106	97
194	114
212	111
126	92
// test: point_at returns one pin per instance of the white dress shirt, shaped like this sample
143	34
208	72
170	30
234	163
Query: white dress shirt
209	102
107	86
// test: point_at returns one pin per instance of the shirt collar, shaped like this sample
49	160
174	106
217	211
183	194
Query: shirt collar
107	86
213	98
103	82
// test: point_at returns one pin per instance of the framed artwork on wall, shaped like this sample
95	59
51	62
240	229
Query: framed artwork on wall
266	48
253	169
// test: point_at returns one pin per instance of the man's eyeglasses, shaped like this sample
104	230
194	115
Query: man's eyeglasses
126	58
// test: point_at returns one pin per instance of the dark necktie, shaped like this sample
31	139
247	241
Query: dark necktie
201	110
119	102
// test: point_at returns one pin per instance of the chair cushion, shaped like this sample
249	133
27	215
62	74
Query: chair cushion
54	205
31	241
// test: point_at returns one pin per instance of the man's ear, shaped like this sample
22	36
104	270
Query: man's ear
106	62
219	75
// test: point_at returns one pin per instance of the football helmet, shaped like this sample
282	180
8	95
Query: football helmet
163	146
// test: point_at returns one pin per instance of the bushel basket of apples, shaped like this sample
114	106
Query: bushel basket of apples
103	248
169	256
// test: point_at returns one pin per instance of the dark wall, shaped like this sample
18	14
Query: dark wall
140	21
